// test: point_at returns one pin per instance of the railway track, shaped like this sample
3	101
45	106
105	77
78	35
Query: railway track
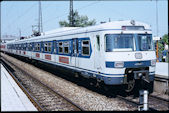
31	98
42	96
154	103
160	104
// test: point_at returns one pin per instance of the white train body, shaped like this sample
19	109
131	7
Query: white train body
103	51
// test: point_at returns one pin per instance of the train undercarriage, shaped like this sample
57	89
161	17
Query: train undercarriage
138	78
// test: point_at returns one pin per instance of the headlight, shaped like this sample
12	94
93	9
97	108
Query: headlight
119	64
153	62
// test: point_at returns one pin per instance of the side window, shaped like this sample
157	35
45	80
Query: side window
54	46
46	47
60	47
98	42
7	46
66	47
19	46
30	47
41	43
24	46
49	47
85	48
37	47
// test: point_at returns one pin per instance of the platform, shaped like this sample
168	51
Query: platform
161	70
12	97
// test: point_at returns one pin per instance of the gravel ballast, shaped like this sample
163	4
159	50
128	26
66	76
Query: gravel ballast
89	100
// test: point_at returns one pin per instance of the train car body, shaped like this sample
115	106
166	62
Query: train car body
116	52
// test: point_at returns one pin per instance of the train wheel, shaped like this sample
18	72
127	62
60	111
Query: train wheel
130	86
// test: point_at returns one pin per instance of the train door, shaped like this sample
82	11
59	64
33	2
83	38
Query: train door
75	52
97	53
54	50
32	49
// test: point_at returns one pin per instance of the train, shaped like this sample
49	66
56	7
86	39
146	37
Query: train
113	53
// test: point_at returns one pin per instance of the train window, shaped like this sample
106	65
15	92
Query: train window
24	46
118	42
7	46
37	47
16	47
85	47
98	42
46	47
66	47
49	47
30	47
41	43
19	46
54	45
60	47
145	42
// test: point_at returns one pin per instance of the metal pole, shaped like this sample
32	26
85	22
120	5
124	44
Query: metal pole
71	21
40	29
157	51
157	16
157	30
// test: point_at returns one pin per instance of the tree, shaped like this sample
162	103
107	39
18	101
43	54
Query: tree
79	21
161	44
165	39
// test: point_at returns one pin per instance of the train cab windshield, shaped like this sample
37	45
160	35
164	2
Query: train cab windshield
128	42
119	42
145	42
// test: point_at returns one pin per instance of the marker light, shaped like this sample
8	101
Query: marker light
153	62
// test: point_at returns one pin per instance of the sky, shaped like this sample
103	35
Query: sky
21	15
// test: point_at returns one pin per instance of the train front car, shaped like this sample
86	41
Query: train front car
130	56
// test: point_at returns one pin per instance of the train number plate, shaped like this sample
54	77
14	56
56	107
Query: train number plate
138	55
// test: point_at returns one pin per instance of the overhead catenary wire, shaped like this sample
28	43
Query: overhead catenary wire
65	14
20	16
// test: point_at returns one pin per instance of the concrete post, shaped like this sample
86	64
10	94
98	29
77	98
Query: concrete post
143	99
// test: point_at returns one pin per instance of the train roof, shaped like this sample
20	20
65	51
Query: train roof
75	30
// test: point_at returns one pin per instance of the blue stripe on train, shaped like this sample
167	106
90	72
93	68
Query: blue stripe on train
130	64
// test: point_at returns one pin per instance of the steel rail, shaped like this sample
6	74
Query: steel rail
133	102
159	98
68	100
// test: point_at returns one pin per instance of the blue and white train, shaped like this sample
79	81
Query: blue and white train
114	53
